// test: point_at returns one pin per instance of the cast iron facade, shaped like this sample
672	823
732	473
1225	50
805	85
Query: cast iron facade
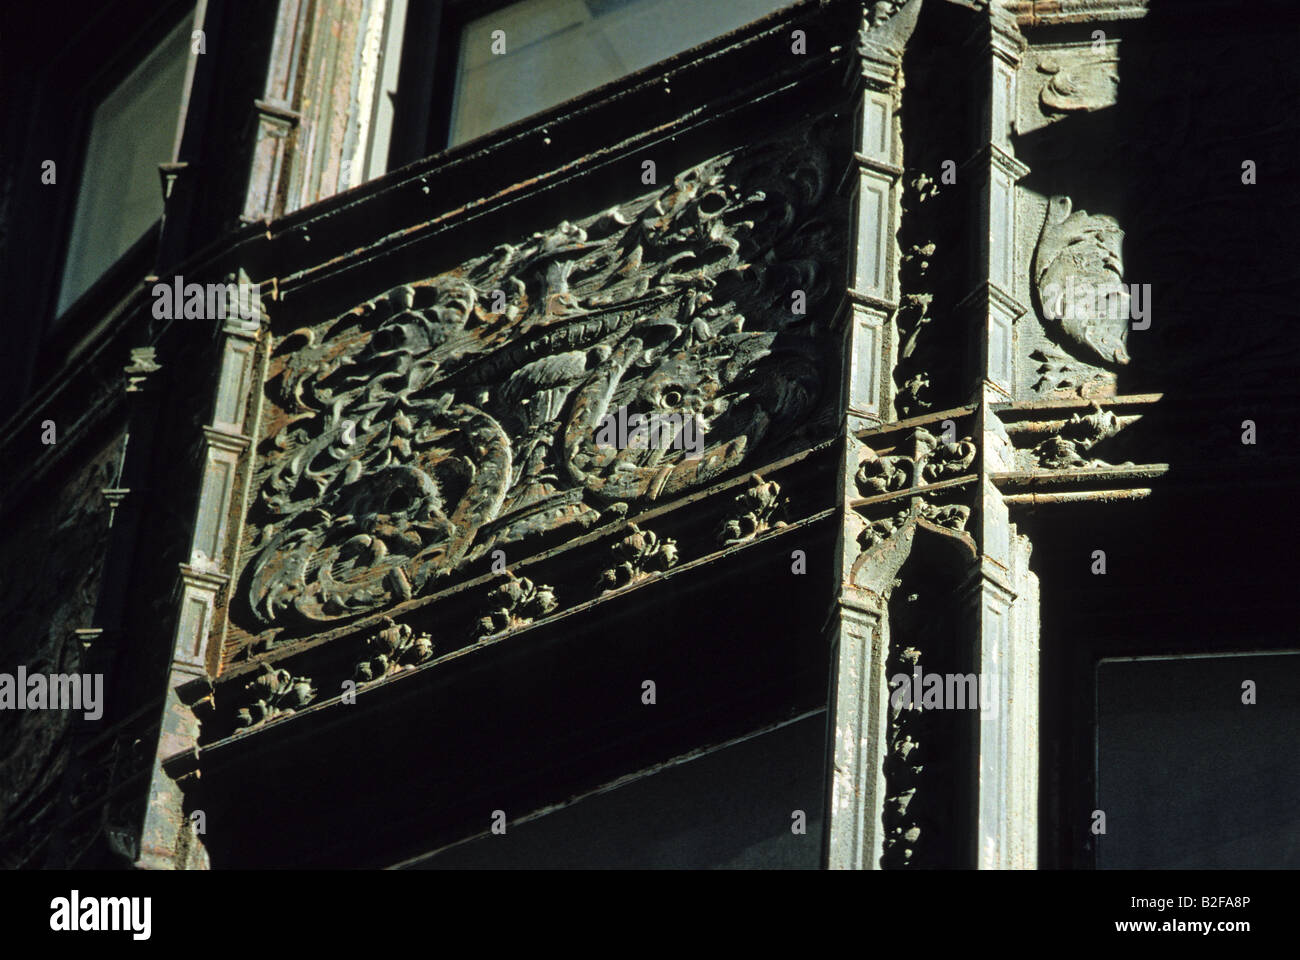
366	588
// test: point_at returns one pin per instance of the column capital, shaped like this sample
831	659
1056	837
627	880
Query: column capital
882	40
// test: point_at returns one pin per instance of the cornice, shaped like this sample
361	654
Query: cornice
1033	13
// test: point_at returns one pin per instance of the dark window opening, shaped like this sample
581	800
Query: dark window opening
1189	774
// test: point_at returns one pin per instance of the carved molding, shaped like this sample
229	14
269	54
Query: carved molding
887	526
1032	13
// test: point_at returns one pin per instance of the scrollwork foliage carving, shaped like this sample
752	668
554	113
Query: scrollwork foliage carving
929	369
904	766
392	648
905	487
934	460
515	603
1073	438
925	736
878	531
1078	83
1078	251
273	693
756	511
456	414
639	554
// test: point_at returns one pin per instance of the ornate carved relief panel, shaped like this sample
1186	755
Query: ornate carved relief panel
480	409
1070	237
1131	183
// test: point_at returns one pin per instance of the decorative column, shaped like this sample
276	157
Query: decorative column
925	541
167	841
857	625
1001	597
1001	600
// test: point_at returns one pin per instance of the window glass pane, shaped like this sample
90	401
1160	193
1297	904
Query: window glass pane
557	49
1189	775
133	130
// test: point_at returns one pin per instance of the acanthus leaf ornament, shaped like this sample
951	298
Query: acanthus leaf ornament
273	693
877	475
954	516
877	532
942	460
1078	275
392	648
515	603
1072	439
1078	83
756	511
639	554
934	459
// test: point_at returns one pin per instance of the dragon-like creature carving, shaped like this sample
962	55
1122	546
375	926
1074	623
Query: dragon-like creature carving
456	414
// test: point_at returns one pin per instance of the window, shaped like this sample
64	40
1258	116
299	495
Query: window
557	49
132	131
1196	761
